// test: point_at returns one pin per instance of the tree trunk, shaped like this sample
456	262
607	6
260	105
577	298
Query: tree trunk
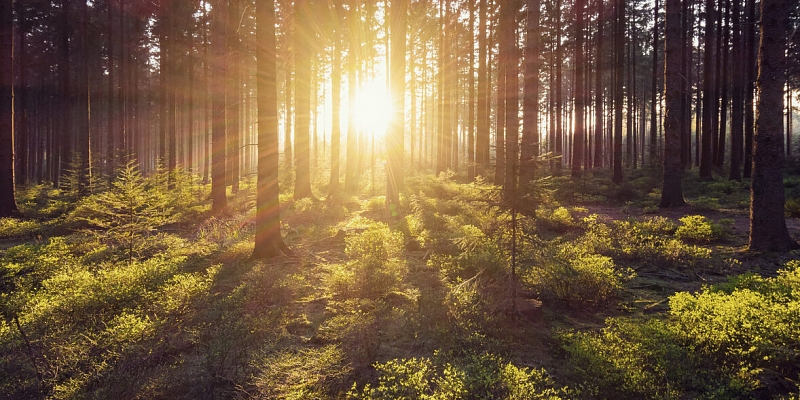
580	97
268	242
724	83
749	61
709	93
397	79
302	131
598	90
559	122
767	219
672	190
619	47
529	150
482	135
218	80
336	106
509	42
737	98
654	89
8	205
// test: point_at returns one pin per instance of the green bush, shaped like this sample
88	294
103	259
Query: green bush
476	376
375	265
579	278
695	228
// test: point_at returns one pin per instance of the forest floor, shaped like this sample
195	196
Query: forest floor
370	307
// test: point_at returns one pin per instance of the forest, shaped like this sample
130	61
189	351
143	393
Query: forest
399	199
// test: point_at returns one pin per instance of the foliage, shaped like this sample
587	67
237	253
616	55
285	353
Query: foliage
375	265
578	277
699	229
474	376
128	213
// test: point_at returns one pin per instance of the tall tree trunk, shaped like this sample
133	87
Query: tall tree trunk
580	97
336	106
397	78
737	98
749	61
529	150
218	79
598	90
509	42
559	120
767	219
672	190
724	83
22	129
234	123
268	242
709	95
654	89
619	47
8	204
302	44
482	134
500	120
471	94
83	108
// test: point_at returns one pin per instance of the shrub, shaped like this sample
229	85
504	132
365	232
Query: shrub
695	228
474	376
581	278
375	265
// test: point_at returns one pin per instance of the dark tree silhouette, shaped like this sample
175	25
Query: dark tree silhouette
672	190
767	219
8	205
397	79
219	71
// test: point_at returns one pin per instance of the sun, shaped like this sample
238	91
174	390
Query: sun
372	110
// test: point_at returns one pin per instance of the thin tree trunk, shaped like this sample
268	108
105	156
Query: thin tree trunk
529	150
737	98
709	95
580	97
397	78
619	46
218	80
8	204
511	88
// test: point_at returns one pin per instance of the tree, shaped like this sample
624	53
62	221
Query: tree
529	149
737	98
580	97
219	70
619	45
397	79
336	103
268	241
302	119
482	137
672	190
709	94
8	205
767	219
510	62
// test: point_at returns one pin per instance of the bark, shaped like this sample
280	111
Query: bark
767	219
8	205
559	153
709	96
737	98
598	90
654	88
268	242
749	61
580	97
619	46
336	106
471	100
672	190
482	134
509	42
218	128
397	77
724	83
529	150
302	44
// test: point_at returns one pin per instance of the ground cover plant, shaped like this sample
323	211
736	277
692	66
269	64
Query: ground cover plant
140	292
